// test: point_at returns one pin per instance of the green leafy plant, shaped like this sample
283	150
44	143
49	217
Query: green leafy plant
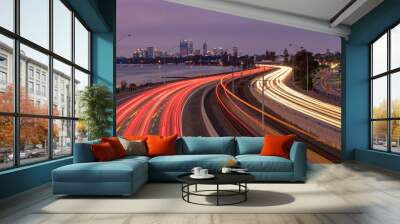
96	103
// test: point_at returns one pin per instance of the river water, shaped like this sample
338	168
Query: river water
150	73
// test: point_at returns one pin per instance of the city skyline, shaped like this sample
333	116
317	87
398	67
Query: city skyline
185	48
146	20
204	50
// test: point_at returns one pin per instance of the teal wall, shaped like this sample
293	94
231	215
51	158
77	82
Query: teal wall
24	178
99	15
355	113
103	52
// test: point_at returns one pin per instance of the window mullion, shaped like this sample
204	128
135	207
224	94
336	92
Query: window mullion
389	104
73	82
16	85
50	81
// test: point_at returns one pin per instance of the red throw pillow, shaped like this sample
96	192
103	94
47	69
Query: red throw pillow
116	145
277	145
103	152
161	145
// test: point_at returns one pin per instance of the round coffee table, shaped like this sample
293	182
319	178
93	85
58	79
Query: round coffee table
238	179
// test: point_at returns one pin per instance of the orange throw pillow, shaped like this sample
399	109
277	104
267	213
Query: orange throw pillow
161	145
116	145
103	152
277	145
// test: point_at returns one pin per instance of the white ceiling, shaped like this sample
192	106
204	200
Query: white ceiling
321	9
315	15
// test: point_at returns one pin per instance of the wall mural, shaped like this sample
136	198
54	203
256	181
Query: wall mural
191	72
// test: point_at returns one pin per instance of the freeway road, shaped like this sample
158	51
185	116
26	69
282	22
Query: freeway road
275	89
159	110
220	105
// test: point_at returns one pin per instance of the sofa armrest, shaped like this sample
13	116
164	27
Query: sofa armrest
298	155
83	152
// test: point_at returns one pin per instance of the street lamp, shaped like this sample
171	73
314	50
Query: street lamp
123	37
302	48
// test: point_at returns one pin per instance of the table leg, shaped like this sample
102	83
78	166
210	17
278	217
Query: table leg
217	194
188	190
245	193
196	187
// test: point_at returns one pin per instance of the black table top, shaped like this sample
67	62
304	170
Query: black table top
220	178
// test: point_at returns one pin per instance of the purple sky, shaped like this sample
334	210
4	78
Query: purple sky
162	24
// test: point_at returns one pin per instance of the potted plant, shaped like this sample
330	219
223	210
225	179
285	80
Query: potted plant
96	102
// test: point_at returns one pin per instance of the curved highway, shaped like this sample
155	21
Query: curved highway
159	110
275	88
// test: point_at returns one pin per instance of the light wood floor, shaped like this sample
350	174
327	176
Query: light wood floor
377	188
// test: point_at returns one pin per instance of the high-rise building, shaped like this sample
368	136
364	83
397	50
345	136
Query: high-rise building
204	48
139	53
220	51
215	51
235	52
158	53
183	48
197	52
190	47
150	52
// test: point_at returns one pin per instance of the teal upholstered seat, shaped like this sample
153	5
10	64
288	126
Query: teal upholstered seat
125	176
206	145
167	168
257	163
185	163
249	145
118	177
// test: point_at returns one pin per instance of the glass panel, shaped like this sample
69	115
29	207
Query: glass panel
395	136
62	138
33	139
395	95
395	47
379	135
6	142
62	89
7	14
34	97
81	131
379	98
35	21
81	81
6	74
81	45
62	29
379	56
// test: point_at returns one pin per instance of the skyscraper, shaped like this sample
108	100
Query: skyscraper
215	51
183	48
204	48
190	47
150	52
235	51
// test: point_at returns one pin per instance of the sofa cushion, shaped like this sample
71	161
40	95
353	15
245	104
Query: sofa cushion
257	163
103	152
277	145
83	153
134	147
132	158
161	145
207	145
249	145
116	145
185	163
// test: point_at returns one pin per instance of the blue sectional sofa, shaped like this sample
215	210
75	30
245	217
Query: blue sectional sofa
125	176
